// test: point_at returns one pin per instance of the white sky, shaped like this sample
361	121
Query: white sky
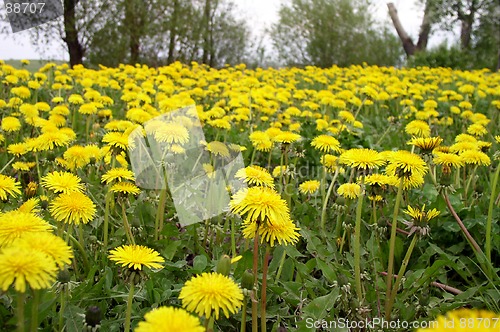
259	13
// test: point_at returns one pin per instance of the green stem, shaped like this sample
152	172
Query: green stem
20	311
243	324
263	294
464	229
280	268
106	221
62	299
383	135
467	186
255	322
392	246
6	165
80	248
357	244
401	272
128	230
128	313
233	238
34	310
160	213
489	220
325	201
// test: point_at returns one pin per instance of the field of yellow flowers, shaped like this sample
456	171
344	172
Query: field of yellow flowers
368	196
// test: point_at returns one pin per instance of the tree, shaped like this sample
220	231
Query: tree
425	28
479	25
328	32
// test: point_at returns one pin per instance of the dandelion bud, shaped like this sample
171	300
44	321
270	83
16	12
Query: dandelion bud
93	318
224	265
247	280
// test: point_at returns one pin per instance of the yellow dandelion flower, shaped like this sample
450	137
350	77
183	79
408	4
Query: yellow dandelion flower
218	149
477	130
255	175
117	174
73	207
10	123
448	159
49	244
20	266
475	157
208	293
15	224
170	133
62	182
284	232
326	143
125	188
287	137
136	257
8	187
49	140
349	190
418	128
403	163
116	139
30	206
465	320
309	187
76	156
463	146
259	203
169	319
377	179
362	159
278	170
347	116
426	144
261	141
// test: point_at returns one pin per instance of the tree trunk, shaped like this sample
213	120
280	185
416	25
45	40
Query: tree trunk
423	36
173	32
75	49
425	28
206	33
406	40
466	31
133	26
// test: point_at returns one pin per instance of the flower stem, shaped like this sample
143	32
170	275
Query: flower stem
160	213
243	324
106	222
128	231
34	310
62	299
263	295
280	268
255	326
20	311
233	238
128	313
401	272
357	244
392	246
325	201
489	220
469	237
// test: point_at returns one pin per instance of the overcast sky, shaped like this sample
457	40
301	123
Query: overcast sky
259	13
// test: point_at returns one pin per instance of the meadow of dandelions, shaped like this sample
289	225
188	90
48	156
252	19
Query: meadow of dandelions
371	192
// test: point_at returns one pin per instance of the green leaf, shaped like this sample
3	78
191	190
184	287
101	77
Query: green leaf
200	263
319	307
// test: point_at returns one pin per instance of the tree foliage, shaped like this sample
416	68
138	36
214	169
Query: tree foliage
328	32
